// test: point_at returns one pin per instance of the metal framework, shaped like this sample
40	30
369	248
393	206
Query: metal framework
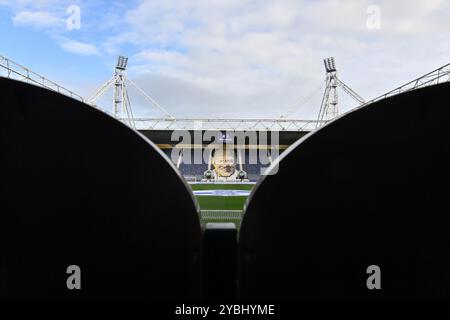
226	124
121	102
329	108
122	106
13	70
439	75
122	111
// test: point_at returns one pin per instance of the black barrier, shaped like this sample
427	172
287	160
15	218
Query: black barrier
358	209
220	254
86	202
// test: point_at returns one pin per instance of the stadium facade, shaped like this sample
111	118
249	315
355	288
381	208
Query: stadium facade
222	156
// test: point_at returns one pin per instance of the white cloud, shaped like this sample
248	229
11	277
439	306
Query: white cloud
37	19
80	48
259	57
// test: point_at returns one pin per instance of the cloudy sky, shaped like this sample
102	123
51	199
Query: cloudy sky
229	58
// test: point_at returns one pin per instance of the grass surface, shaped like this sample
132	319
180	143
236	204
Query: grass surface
221	203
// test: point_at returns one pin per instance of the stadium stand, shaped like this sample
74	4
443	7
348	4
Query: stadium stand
195	172
189	169
79	188
368	190
252	166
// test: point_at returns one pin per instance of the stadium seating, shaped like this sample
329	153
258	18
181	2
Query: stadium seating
189	169
80	189
197	170
253	169
369	190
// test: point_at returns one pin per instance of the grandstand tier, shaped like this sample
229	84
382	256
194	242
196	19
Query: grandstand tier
194	147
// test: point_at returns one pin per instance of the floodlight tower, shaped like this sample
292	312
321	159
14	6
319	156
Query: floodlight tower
121	103
329	107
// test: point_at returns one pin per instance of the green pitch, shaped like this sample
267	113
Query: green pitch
220	202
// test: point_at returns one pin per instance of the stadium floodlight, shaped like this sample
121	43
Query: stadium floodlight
330	65
122	63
